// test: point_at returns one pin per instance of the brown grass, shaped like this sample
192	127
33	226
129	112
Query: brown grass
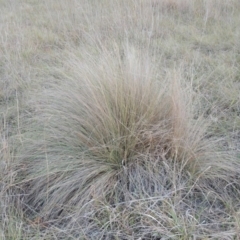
107	137
120	120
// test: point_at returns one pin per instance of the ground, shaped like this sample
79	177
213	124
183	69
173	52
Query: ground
47	46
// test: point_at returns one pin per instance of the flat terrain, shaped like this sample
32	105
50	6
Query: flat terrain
119	119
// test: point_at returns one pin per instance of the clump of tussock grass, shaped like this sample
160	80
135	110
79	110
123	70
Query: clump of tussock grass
110	143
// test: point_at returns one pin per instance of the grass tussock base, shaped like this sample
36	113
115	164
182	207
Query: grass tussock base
115	152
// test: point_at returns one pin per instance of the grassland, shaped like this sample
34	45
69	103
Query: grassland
119	119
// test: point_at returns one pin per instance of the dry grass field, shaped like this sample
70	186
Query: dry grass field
120	119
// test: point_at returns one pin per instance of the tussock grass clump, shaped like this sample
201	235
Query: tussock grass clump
112	147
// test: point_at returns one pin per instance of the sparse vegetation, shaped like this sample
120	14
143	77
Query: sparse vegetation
119	119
